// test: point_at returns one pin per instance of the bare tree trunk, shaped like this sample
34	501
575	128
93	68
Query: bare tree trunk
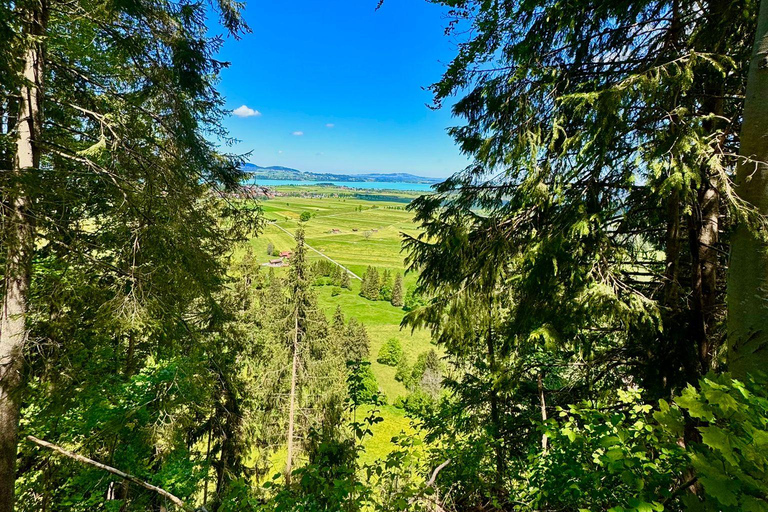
19	245
748	271
292	405
543	405
705	224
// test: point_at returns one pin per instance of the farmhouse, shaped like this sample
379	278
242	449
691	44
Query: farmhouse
335	231
286	254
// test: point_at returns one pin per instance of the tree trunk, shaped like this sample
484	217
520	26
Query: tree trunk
495	413
19	245
543	405
292	404
748	272
704	236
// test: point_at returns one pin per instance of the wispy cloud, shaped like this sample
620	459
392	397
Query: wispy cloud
330	125
245	111
298	134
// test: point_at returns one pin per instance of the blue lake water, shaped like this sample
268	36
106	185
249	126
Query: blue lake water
362	185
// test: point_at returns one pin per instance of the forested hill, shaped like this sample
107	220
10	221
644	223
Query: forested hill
286	173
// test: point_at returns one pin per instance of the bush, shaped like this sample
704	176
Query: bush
305	216
413	300
391	352
362	383
403	373
336	291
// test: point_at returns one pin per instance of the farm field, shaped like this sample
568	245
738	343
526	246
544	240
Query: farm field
356	233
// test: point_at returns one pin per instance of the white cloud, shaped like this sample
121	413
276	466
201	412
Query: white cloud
298	134
330	125
244	111
280	152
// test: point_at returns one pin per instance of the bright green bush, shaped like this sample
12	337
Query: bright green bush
391	352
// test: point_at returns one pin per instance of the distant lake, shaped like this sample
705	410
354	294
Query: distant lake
363	185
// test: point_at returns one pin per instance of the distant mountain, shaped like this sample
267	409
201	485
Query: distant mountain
276	172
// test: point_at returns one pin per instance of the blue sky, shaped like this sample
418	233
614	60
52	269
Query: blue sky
337	86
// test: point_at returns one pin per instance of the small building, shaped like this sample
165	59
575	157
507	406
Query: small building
276	262
375	230
355	230
335	231
286	254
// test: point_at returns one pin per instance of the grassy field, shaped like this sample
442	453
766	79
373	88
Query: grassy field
356	250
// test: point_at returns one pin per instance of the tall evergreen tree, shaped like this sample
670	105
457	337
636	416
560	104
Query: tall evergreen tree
109	114
397	291
345	281
317	371
371	285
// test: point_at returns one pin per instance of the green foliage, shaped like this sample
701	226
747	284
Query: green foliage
390	353
397	291
385	287
345	281
371	286
356	342
605	458
305	216
403	373
413	299
731	460
362	385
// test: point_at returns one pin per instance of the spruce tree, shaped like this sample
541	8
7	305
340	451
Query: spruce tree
385	286
357	344
317	370
371	284
345	281
397	291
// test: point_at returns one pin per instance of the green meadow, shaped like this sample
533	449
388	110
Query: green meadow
356	233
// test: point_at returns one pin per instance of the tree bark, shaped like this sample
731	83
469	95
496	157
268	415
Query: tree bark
20	240
704	236
543	406
748	272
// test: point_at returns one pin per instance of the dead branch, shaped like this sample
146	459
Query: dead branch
85	460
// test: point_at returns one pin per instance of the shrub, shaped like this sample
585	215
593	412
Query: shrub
305	216
413	300
391	352
403	373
